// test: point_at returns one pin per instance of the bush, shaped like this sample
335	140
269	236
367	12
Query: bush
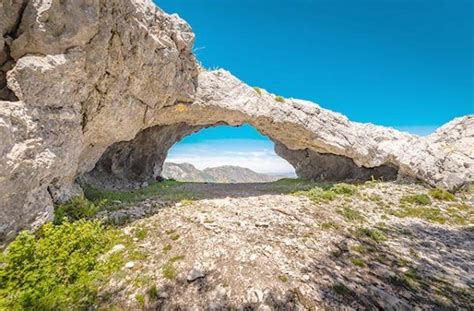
59	269
78	208
258	90
374	234
441	194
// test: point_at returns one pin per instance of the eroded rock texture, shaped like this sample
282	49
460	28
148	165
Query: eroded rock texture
80	78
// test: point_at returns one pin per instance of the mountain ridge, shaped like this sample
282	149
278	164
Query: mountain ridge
218	174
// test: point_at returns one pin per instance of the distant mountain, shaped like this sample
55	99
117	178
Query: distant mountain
221	174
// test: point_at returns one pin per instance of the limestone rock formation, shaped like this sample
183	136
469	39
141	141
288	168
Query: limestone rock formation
88	83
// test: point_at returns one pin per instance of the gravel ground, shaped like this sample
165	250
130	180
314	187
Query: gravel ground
249	247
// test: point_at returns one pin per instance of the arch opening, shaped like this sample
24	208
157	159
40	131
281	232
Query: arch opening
135	163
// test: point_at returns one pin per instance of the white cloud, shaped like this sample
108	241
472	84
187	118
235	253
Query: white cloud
257	155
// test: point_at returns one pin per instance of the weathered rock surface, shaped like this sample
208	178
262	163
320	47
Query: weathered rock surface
81	78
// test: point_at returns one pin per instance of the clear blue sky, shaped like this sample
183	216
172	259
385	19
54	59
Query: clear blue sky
401	63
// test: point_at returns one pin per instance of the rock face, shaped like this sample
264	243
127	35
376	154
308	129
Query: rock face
95	83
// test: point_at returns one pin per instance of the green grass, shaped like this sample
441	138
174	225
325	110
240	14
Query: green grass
279	99
419	199
430	214
167	190
140	233
77	208
168	271
140	299
176	258
329	225
358	262
283	278
59	268
343	188
373	234
258	90
167	248
442	195
341	289
351	214
174	236
328	192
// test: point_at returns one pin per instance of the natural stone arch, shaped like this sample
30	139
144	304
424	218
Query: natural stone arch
119	67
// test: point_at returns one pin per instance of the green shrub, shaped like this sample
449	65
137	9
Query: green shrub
420	199
358	262
77	208
59	269
258	90
279	99
441	194
329	225
317	194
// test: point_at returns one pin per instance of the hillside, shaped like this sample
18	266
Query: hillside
220	174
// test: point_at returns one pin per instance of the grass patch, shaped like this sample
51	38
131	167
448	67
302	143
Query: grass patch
429	214
341	289
168	190
140	233
373	234
167	248
176	258
279	99
174	236
168	271
351	214
361	249
77	208
153	292
258	90
343	188
442	195
59	268
329	225
358	262
283	278
419	199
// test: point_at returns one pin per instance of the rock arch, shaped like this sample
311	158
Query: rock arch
120	67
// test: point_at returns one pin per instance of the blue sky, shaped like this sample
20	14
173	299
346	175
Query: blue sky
400	63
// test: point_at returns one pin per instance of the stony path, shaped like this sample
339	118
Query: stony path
243	249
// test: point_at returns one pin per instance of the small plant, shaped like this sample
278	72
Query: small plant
186	202
167	248
153	292
351	214
329	225
341	289
140	299
169	271
442	195
419	199
283	278
258	90
374	234
77	208
358	262
176	258
361	249
279	99
174	236
141	233
317	194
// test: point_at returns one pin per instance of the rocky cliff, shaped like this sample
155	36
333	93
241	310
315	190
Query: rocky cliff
87	87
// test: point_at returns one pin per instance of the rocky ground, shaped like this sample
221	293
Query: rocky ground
264	247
